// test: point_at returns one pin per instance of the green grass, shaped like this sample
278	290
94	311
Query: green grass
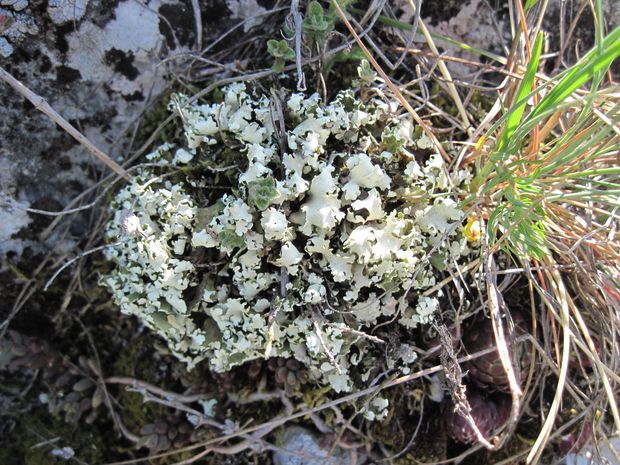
521	174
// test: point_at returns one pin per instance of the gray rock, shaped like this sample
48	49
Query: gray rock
98	67
609	452
303	448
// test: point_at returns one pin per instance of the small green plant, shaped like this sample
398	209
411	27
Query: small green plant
317	24
281	53
313	33
366	74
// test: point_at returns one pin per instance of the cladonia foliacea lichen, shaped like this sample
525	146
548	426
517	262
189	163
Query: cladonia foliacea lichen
281	226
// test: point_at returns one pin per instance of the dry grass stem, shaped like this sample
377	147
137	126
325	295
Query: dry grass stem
390	84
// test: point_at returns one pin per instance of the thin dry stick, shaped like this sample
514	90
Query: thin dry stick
341	400
41	104
389	83
543	436
414	29
502	348
319	335
297	19
108	399
197	24
445	73
74	259
600	366
143	385
202	418
363	335
454	381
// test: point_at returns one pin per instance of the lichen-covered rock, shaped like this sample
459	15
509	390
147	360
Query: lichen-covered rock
296	226
98	65
301	447
16	24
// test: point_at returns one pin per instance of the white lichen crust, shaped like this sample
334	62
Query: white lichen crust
325	230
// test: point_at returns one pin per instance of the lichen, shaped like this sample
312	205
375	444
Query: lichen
16	24
325	229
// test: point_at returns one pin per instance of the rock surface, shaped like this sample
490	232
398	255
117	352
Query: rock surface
305	449
98	64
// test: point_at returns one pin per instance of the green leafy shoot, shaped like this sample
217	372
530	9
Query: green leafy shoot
281	53
595	62
317	24
514	118
366	73
529	4
262	193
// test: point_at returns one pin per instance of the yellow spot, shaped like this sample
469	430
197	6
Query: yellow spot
473	228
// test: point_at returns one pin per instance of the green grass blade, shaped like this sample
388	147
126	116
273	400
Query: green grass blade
514	119
595	62
529	4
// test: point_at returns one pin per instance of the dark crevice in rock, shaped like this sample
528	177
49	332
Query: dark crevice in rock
66	75
441	11
105	12
61	33
45	65
122	62
215	12
137	96
267	4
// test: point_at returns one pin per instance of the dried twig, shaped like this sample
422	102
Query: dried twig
319	334
445	73
143	385
297	18
364	335
275	422
74	259
197	24
502	348
271	321
457	390
108	399
543	436
414	28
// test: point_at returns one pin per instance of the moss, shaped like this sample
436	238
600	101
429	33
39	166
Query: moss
134	412
153	118
38	432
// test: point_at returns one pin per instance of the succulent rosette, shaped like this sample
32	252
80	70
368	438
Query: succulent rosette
489	413
298	226
487	371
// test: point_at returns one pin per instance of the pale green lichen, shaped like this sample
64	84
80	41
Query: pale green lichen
323	235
